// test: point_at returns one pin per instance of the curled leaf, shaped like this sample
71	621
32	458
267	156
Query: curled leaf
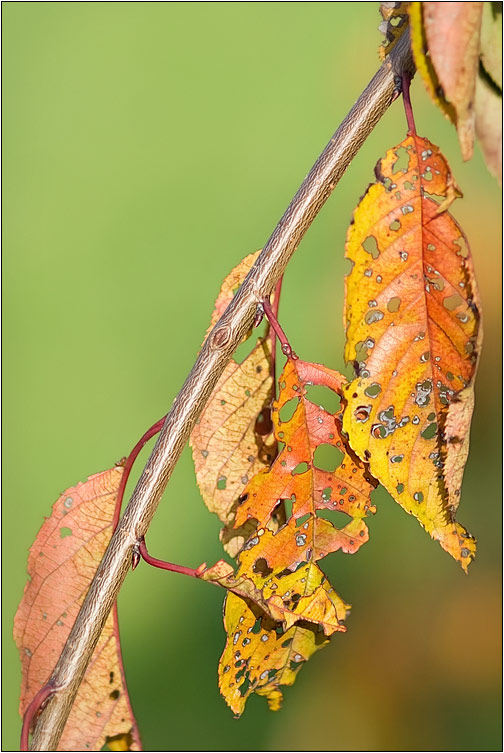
62	563
413	334
446	48
232	440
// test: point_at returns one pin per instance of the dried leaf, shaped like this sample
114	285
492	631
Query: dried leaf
395	21
232	440
423	61
62	563
263	656
489	125
489	89
456	437
491	42
450	35
413	333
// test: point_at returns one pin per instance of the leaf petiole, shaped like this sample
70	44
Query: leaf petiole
163	565
406	83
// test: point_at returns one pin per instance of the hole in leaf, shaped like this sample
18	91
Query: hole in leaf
64	532
257	626
370	246
452	301
221	483
430	431
373	390
324	396
287	411
288	507
393	304
327	457
435	197
464	251
336	517
395	225
300	521
261	567
348	266
300	468
402	161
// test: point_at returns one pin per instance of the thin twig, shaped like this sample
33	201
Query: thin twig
192	398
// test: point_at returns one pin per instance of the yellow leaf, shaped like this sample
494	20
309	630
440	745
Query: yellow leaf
413	334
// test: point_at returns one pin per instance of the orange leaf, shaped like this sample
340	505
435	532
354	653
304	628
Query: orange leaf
62	563
413	333
281	563
232	440
296	474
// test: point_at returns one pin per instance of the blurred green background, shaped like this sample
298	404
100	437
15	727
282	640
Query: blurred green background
147	148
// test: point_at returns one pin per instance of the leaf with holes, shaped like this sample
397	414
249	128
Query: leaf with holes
232	440
281	563
62	563
413	334
395	21
260	655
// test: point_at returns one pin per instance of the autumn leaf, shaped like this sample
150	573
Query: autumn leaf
61	565
232	440
489	88
413	334
260	656
281	563
395	21
449	51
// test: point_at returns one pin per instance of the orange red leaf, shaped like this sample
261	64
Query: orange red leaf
62	563
413	334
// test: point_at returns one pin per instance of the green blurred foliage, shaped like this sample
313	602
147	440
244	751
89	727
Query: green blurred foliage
147	148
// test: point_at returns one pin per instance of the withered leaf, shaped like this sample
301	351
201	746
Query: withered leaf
63	560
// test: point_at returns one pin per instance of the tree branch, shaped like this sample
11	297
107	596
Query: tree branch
192	398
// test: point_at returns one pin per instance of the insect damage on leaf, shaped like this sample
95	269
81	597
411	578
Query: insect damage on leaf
281	563
413	334
232	440
395	21
63	560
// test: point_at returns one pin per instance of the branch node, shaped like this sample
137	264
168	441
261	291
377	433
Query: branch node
259	315
220	337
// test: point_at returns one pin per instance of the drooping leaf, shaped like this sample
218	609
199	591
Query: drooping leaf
395	21
281	563
491	42
423	61
413	334
259	656
62	563
489	89
232	440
